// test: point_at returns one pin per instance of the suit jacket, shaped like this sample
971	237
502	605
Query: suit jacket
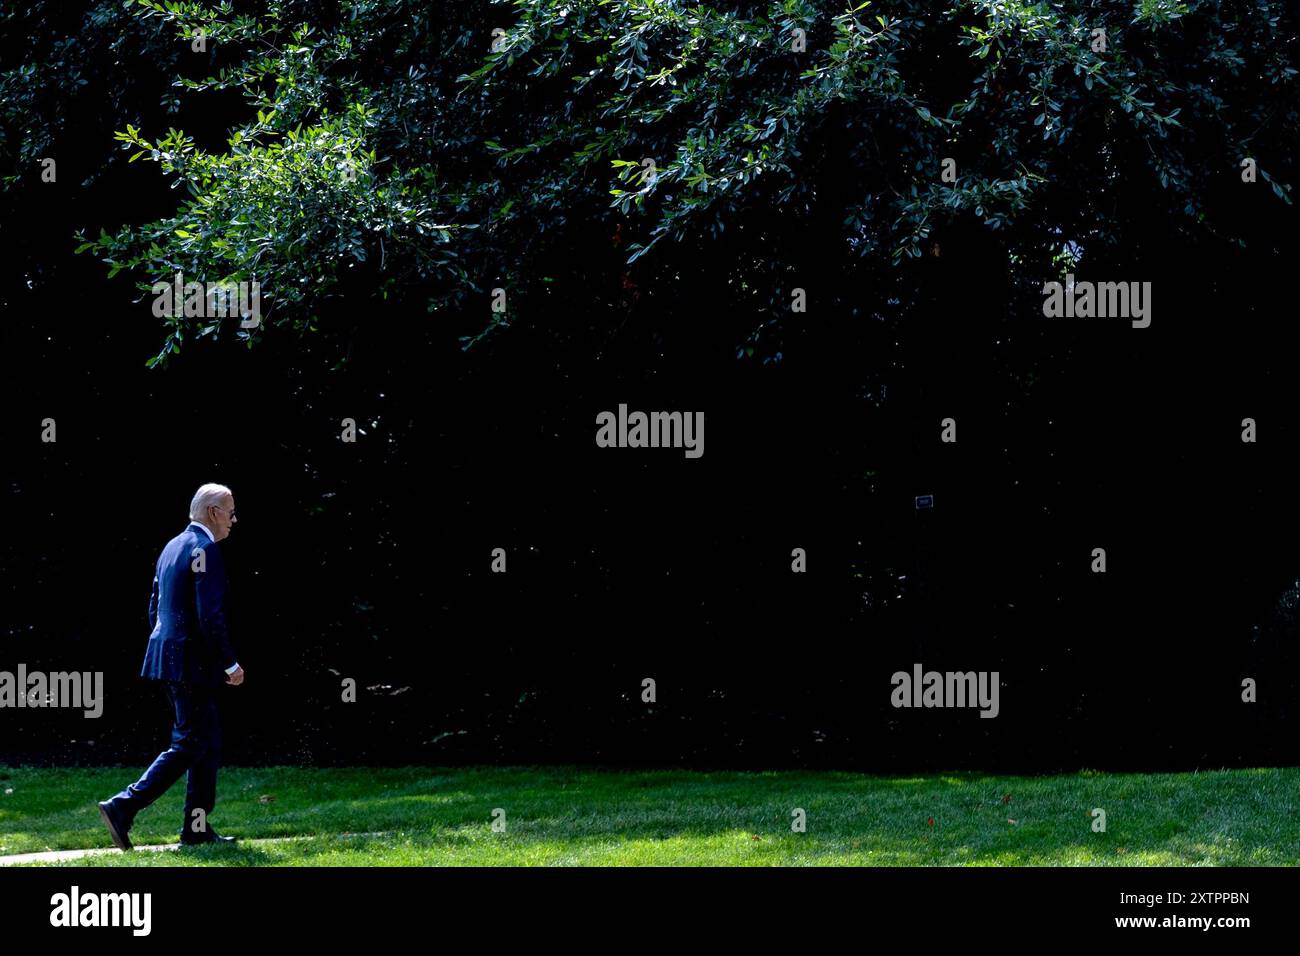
189	642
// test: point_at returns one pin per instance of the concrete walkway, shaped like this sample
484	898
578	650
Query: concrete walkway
59	856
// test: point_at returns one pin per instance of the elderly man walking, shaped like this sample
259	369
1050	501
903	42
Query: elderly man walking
189	653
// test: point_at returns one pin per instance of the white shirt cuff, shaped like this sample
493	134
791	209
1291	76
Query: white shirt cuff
232	669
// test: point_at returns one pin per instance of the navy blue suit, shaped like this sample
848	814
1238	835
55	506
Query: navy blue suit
188	641
189	652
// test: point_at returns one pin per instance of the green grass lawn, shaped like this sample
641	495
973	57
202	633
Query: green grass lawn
573	816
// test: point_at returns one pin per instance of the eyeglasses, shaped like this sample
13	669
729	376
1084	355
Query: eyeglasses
232	511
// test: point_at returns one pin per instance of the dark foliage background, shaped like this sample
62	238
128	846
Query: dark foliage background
371	560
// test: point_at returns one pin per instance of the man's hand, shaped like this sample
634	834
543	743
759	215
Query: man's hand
236	678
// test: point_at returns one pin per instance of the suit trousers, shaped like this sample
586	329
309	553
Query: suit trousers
195	750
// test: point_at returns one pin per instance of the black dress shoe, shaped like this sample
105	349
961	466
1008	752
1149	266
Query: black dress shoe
211	836
116	823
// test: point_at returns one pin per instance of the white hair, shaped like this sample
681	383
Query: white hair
209	494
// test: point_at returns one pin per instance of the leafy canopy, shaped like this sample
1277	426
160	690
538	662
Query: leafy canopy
423	158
